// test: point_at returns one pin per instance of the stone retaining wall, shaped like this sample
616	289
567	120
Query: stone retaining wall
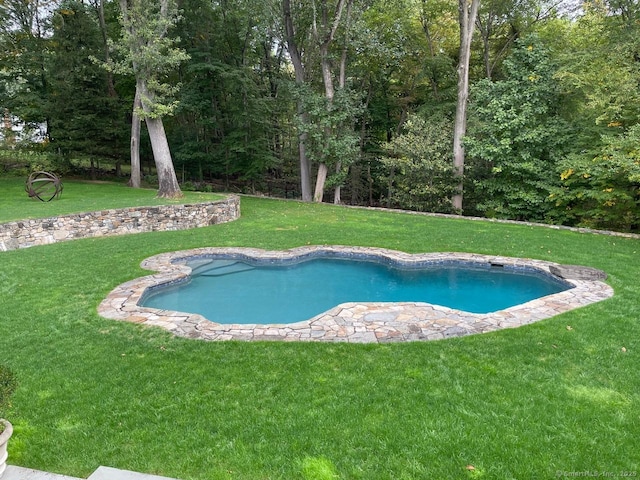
42	231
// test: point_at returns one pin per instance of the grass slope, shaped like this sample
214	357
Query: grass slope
525	403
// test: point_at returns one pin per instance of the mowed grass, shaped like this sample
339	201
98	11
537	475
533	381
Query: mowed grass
81	196
561	395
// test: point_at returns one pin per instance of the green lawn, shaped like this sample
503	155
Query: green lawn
561	395
81	196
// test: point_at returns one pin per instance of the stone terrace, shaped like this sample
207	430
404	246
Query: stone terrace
353	322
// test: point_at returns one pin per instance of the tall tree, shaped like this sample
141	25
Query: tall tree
518	135
467	17
227	123
295	47
330	137
405	64
84	117
312	32
25	31
501	22
151	54
600	66
436	19
599	54
324	29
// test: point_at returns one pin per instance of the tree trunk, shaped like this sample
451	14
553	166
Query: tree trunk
305	166
485	34
298	67
467	18
135	143
342	83
320	181
9	137
327	78
138	25
337	191
329	93
432	49
105	42
168	182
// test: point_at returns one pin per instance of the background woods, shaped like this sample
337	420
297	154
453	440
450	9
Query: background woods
355	97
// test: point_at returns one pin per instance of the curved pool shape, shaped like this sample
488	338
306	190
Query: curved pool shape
357	321
230	290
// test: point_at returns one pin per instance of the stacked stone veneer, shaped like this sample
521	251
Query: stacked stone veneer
29	233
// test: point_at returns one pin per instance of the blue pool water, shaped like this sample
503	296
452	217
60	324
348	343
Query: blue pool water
244	292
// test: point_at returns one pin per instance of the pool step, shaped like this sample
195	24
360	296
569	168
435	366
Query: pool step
204	264
220	270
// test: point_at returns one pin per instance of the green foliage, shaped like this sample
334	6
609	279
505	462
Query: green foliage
516	135
21	162
501	22
50	162
24	48
82	116
404	68
419	168
149	53
8	385
235	118
599	66
599	72
602	190
404	63
329	127
227	123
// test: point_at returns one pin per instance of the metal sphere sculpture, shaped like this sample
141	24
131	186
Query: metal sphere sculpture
44	186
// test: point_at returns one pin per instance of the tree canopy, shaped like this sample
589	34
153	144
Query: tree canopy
356	96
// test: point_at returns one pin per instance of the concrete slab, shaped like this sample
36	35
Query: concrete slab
21	473
108	473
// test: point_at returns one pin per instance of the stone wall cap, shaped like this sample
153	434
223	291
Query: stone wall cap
577	272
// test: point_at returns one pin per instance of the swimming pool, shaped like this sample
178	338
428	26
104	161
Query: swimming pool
231	290
354	321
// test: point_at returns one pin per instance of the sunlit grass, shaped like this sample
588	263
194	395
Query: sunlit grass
522	403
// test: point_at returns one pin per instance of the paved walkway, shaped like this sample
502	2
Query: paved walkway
102	473
352	322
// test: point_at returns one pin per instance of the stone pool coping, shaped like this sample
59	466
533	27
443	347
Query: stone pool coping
349	322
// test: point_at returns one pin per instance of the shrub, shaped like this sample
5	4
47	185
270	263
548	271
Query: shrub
601	189
418	165
19	163
7	387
